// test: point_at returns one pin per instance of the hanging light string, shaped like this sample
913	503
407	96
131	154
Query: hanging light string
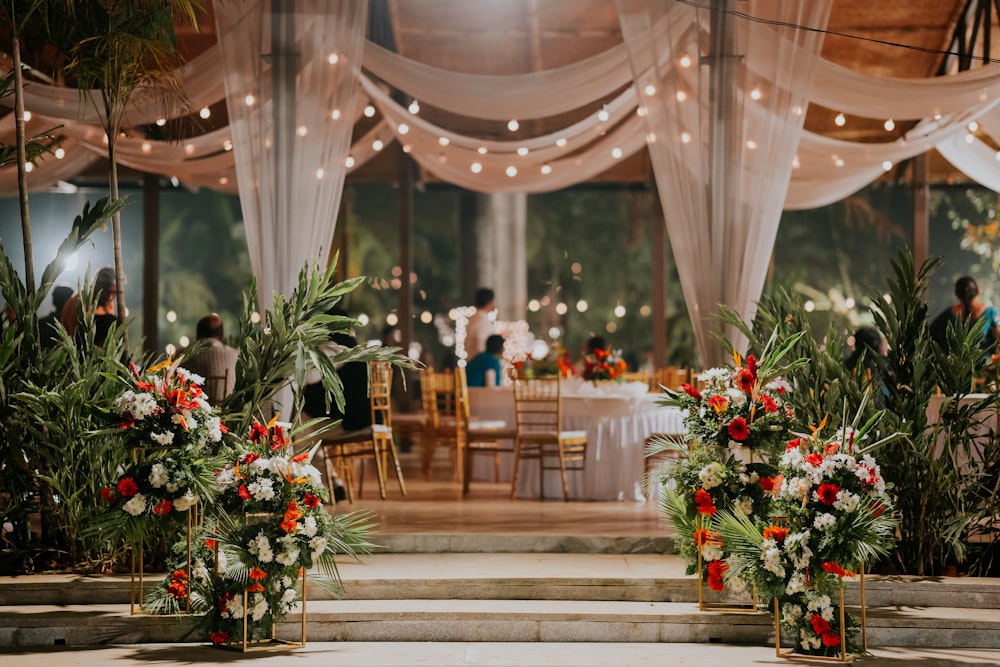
860	38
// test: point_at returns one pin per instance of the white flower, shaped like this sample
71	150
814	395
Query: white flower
164	439
796	584
199	570
309	526
713	375
745	505
710	553
847	501
260	547
795	487
824	520
736	397
259	606
158	474
234	607
711	475
173	486
225	478
262	489
136	505
288	597
737	585
138	406
288	558
185	502
214	426
318	545
778	386
791	612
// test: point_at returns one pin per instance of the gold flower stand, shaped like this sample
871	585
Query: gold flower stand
843	656
271	643
136	578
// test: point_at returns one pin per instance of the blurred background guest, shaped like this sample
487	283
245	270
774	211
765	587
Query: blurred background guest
486	368
216	362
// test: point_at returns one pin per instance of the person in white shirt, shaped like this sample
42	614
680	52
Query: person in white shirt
480	326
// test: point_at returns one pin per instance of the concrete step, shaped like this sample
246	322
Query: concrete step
587	577
543	621
474	654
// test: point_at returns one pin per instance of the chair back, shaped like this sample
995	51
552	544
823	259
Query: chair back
671	377
380	392
538	406
636	376
440	396
216	387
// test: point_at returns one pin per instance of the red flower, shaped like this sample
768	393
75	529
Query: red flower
257	432
128	423
776	533
288	526
718	402
768	484
752	365
219	637
830	639
249	458
815	459
703	497
163	507
108	494
794	443
770	405
280	439
716	569
127	487
210	543
828	493
833	568
738	429
878	509
178	584
244	492
819	624
745	380
311	500
691	391
702	537
257	574
831	448
293	512
224	600
299	458
255	588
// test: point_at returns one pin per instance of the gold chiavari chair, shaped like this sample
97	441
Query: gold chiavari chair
481	436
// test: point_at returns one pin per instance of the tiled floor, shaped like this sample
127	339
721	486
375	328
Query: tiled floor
437	507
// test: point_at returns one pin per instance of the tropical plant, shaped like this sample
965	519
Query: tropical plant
943	486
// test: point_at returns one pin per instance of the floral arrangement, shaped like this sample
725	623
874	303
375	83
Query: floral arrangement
830	515
603	365
739	407
735	426
271	529
556	362
165	414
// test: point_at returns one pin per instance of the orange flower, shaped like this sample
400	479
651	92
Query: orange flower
703	537
718	402
833	568
257	574
255	588
293	512
776	533
288	526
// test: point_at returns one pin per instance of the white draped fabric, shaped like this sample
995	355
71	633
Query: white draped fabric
288	67
723	114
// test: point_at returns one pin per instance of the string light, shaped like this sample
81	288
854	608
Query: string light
160	122
403	128
320	173
650	89
973	126
227	145
795	162
840	120
547	169
603	115
335	114
522	151
444	141
685	138
248	100
560	142
482	150
616	152
414	107
146	147
333	59
377	145
887	165
511	171
681	96
970	138
27	116
685	61
60	153
512	125
369	111
29	166
751	144
205	112
755	94
349	162
475	167
889	125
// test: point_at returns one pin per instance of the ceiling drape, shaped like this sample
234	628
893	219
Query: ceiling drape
723	115
290	72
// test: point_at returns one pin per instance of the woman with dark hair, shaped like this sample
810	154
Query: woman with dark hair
869	349
969	308
105	291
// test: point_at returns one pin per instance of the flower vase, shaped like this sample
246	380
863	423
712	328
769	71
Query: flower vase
843	655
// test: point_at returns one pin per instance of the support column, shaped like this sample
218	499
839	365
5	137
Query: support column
405	308
659	286
150	262
501	219
468	239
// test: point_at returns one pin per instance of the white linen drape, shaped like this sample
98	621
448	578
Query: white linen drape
724	114
287	68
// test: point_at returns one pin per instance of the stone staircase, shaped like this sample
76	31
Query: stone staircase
607	594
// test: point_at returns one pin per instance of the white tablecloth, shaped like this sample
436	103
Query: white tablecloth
618	420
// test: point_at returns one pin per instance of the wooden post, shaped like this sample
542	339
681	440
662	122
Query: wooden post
405	309
150	262
921	209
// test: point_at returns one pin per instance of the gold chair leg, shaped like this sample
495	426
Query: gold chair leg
377	445
562	472
395	462
496	465
517	466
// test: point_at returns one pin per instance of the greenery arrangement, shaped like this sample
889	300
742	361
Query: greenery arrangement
944	486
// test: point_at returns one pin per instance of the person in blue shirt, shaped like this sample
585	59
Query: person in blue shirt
969	308
485	368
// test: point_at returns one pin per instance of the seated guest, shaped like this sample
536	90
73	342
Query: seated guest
47	330
105	293
215	361
485	369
